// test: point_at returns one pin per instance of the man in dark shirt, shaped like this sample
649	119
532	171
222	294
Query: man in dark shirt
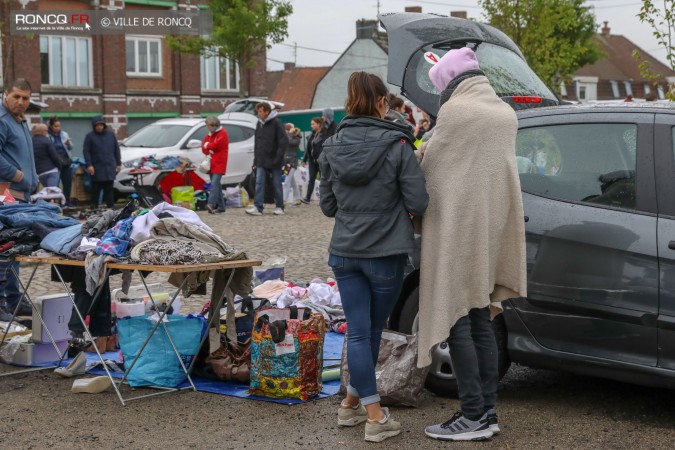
270	146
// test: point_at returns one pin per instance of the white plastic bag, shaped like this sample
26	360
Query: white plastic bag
205	165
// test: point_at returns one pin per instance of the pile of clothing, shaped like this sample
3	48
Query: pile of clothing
24	226
319	295
166	163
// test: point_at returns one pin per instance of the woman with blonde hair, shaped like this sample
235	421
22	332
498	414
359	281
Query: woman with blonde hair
371	183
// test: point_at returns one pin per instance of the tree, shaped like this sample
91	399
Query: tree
554	35
662	21
241	29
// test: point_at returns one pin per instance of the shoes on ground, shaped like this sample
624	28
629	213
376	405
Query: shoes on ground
378	431
279	212
210	209
252	210
77	366
493	421
305	201
94	385
349	417
461	428
220	210
297	203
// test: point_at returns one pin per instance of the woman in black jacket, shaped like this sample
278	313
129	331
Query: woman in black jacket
370	183
311	158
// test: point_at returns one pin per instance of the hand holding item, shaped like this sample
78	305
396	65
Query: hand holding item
91	170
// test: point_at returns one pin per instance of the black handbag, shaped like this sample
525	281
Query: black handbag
65	161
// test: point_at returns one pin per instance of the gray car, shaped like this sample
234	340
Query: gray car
598	185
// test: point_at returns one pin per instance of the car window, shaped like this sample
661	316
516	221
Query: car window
157	135
509	75
236	133
245	106
592	163
199	134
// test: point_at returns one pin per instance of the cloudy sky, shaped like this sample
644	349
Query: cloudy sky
323	29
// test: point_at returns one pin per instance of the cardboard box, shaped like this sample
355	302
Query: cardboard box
77	190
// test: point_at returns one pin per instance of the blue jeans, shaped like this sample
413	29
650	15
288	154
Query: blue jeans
9	284
50	179
260	178
369	289
473	350
216	192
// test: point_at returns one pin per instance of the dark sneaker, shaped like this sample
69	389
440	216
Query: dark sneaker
383	429
305	201
24	309
493	421
460	428
349	417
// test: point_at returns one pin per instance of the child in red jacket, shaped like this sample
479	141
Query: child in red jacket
216	144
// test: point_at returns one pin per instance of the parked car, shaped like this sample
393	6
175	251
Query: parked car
598	184
247	105
183	137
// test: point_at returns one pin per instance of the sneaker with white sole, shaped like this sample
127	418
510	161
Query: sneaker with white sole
493	421
378	431
460	428
351	416
279	212
252	210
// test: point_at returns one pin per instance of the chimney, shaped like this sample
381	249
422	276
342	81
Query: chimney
366	29
288	66
413	9
605	29
458	14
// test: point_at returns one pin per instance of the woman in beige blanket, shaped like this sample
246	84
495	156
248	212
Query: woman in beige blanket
473	245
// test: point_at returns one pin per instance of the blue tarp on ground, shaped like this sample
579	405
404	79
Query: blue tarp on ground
332	351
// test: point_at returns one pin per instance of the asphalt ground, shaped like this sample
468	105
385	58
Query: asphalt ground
538	409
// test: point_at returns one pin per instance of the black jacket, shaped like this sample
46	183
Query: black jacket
46	157
370	181
291	155
102	151
270	143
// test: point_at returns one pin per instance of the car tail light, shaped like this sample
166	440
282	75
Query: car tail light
526	99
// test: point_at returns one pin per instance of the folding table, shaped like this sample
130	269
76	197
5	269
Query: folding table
232	266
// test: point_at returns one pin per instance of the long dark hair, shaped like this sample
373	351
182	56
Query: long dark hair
363	92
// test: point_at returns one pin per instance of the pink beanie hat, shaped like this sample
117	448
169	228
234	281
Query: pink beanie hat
452	64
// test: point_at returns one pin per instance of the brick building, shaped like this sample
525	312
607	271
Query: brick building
132	80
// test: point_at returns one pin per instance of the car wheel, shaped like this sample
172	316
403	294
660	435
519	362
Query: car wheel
441	379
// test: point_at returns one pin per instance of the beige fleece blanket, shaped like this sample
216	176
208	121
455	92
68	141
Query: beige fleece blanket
473	245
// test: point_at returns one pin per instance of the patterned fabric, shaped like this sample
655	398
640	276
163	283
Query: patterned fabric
115	241
167	253
291	369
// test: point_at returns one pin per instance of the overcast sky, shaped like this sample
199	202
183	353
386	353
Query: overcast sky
323	29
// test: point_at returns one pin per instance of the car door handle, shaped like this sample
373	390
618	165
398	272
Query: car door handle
527	219
671	245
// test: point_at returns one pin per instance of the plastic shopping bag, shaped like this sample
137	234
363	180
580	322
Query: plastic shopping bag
158	365
183	196
399	380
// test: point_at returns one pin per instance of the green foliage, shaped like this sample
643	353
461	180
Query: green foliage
241	29
662	21
554	35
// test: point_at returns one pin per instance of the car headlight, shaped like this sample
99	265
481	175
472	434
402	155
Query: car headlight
134	163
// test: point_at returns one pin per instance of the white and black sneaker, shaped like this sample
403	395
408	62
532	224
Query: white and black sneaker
493	421
460	428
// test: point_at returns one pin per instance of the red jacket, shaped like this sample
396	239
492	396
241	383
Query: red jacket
218	143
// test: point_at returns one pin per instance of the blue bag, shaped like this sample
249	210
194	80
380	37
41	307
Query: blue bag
158	364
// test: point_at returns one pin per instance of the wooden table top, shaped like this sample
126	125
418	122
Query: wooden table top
183	268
